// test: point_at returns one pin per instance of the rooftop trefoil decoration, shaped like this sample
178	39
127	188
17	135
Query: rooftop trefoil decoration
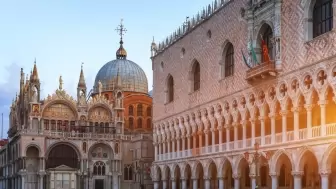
189	24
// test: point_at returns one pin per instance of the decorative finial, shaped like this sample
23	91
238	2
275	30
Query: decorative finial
121	52
60	83
121	30
35	61
82	65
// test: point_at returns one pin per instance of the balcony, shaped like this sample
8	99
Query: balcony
269	141
261	71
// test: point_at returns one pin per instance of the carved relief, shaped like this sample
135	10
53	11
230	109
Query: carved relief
99	114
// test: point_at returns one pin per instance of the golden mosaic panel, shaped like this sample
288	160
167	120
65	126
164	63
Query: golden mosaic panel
59	111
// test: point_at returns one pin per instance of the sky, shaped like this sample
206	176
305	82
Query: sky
64	33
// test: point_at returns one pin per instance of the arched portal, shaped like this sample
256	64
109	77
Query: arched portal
32	167
101	163
213	175
244	170
62	165
199	173
227	174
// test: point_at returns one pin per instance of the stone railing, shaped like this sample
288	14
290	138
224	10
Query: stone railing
248	143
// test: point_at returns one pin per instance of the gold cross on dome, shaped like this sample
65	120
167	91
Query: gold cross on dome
120	29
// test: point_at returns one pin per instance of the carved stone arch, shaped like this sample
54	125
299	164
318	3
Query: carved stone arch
274	160
294	86
185	167
68	143
102	106
260	29
206	166
237	163
101	143
156	173
64	102
325	162
194	167
224	162
300	155
164	171
34	145
191	69
227	49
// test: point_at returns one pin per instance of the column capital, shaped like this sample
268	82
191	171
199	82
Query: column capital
283	112
322	102
252	176
309	107
236	176
220	177
173	179
273	174
206	177
297	173
324	173
227	126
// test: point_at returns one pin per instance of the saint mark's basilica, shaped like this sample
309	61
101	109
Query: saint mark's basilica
100	139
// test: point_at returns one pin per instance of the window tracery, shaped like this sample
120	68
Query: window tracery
322	17
99	168
128	172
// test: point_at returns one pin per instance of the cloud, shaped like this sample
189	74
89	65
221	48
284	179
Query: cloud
8	90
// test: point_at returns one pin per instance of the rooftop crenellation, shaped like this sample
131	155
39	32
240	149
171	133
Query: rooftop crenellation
190	24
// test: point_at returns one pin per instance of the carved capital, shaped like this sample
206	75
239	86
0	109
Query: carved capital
297	173
236	176
324	173
273	174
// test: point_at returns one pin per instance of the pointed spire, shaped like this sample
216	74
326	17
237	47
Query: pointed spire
81	82
34	76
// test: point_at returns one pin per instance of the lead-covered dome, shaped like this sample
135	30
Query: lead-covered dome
132	77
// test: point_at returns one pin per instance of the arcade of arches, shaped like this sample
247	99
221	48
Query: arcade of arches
297	169
64	167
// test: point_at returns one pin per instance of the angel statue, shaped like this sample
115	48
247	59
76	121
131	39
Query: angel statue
60	83
100	87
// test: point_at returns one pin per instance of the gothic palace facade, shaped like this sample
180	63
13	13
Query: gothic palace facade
244	97
100	140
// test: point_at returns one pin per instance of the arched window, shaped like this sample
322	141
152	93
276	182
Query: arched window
139	110
322	17
170	87
149	111
229	60
149	123
267	37
99	168
130	123
196	76
128	172
116	148
139	123
130	110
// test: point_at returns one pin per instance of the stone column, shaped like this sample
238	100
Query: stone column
220	137
253	181
164	147
297	176
227	137
272	117
164	184
156	184
324	179
206	182
178	150
244	133
183	143
309	108
206	132
296	112
262	128
169	148
23	181
115	181
155	151
236	181
173	148
189	142
213	137
274	178
323	117
184	183
235	135
173	182
220	183
195	183
200	139
194	140
252	131
284	125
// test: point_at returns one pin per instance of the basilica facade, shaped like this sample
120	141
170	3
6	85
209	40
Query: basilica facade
244	97
100	139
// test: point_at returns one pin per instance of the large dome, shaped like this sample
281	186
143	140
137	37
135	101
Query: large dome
132	77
